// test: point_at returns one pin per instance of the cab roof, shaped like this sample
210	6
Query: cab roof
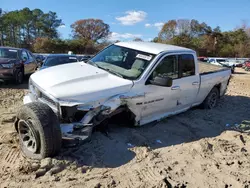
153	48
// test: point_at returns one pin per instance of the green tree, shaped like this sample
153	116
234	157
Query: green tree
90	29
168	31
20	28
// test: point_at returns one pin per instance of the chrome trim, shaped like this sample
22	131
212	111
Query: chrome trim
38	98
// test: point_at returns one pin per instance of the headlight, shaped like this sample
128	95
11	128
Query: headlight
8	65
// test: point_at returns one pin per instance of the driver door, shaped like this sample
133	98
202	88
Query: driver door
160	100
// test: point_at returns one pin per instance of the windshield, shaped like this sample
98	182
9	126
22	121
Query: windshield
58	60
123	62
8	53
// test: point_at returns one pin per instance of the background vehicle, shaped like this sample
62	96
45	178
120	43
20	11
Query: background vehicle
84	57
222	62
203	59
40	59
143	81
15	63
247	66
244	64
58	59
234	62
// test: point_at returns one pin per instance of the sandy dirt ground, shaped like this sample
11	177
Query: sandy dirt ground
199	148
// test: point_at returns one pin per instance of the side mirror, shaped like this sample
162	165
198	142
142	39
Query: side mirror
162	81
24	59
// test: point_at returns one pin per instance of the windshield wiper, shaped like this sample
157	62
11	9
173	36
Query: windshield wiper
110	71
106	69
113	72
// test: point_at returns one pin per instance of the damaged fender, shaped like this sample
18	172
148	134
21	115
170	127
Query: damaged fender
130	101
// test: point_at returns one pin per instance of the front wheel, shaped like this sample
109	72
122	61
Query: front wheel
19	76
39	131
212	99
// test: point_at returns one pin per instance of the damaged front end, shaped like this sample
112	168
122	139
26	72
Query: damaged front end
78	118
78	121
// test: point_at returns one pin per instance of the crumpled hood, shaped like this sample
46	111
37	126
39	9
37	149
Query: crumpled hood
79	81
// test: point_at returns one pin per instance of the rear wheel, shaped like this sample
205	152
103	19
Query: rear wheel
39	131
212	99
232	69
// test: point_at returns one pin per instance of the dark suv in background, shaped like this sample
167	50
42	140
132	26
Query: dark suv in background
58	59
15	63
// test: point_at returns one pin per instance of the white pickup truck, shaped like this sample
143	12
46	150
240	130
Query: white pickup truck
144	81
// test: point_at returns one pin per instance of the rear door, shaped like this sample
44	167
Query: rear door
190	80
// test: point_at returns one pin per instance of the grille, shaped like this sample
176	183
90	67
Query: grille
37	94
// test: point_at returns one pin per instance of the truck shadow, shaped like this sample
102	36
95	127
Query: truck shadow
239	73
12	85
125	143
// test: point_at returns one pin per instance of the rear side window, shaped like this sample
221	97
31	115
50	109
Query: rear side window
187	65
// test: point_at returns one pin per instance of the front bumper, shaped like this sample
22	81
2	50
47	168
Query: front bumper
76	131
27	99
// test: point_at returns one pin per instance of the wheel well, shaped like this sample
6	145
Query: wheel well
218	86
16	124
121	115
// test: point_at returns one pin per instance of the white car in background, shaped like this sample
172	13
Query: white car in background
224	62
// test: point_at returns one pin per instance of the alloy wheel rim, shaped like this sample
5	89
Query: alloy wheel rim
213	100
27	136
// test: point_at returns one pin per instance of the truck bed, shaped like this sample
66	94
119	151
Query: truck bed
207	68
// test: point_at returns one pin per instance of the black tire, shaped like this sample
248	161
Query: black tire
211	99
19	76
44	129
232	70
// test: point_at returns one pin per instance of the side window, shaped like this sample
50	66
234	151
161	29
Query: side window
24	55
167	67
187	65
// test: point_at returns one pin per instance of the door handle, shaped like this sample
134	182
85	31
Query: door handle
195	83
175	87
